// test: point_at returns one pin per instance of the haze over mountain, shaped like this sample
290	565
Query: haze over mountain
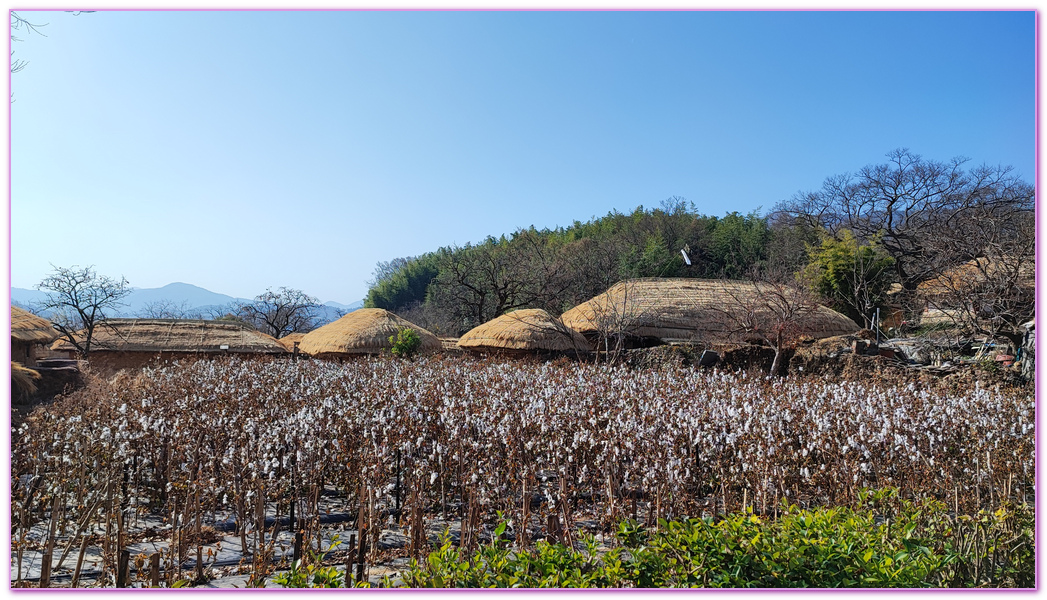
187	295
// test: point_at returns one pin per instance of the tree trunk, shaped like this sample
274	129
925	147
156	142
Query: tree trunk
776	364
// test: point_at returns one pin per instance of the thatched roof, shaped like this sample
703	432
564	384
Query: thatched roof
288	341
682	309
177	335
971	274
29	328
530	329
363	331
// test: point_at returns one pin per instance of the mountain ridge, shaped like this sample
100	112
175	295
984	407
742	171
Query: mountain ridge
178	294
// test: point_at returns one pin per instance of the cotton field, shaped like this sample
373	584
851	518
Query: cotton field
233	441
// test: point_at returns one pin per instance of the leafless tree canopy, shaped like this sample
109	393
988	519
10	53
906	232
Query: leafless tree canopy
492	278
993	294
918	208
78	300
169	309
777	313
19	23
281	312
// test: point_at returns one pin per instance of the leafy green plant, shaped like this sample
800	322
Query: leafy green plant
405	343
881	541
312	574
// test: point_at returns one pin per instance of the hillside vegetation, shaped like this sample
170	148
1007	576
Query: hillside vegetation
905	222
456	288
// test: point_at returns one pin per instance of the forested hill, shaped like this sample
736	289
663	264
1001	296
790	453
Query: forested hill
968	233
456	288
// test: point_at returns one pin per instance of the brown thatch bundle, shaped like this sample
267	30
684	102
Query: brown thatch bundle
363	331
288	341
683	309
968	276
529	329
23	380
177	335
29	328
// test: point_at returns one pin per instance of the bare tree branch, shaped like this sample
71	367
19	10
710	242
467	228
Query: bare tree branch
78	301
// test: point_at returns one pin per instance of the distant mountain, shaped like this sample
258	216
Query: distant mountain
346	307
26	298
179	295
191	296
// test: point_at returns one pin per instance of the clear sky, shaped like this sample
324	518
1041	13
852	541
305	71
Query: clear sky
240	150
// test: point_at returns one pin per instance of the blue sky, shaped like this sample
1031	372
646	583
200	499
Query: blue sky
241	150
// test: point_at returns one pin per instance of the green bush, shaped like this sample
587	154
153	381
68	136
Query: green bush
883	542
405	343
315	574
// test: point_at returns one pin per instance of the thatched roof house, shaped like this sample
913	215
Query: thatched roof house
288	340
974	273
944	296
526	330
668	309
29	335
363	331
132	343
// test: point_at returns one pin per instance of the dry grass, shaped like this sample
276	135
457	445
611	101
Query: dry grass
529	329
177	335
288	340
363	331
682	309
27	327
23	380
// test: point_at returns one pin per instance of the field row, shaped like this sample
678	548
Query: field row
474	437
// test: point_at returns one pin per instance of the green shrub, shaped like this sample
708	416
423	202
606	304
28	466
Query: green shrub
405	343
314	574
884	541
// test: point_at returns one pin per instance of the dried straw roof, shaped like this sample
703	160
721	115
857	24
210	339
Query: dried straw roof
288	340
971	274
363	331
27	327
177	335
680	308
530	329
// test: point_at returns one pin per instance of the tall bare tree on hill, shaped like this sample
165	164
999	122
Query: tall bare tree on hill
910	204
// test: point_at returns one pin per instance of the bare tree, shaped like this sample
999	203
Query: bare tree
430	318
773	307
909	203
281	312
993	294
479	283
620	313
168	309
78	301
20	23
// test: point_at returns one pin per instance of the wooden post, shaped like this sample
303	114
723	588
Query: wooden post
154	570
48	554
398	483
552	524
123	569
297	553
361	528
361	564
79	561
45	570
199	542
350	558
525	498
